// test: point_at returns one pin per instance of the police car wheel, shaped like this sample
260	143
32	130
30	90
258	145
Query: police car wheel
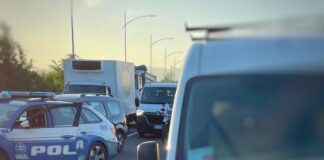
3	156
97	152
121	140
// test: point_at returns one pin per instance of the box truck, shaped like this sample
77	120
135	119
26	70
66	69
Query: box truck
102	77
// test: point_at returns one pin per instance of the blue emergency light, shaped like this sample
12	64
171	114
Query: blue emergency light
20	94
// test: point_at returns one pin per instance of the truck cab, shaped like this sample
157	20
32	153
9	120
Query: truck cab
87	88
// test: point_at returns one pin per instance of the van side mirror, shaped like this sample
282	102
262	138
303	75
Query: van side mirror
137	102
148	151
24	124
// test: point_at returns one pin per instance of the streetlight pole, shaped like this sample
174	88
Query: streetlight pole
166	56
72	28
125	27
174	67
125	35
152	44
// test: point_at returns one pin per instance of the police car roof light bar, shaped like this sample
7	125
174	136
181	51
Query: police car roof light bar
20	94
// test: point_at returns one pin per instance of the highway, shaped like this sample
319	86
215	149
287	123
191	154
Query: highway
129	152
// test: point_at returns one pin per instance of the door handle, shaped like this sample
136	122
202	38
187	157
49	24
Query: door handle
67	136
83	132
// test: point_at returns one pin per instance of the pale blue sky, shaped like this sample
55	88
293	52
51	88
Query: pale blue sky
43	26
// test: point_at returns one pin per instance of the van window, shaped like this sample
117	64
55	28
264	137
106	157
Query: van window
114	108
98	106
158	95
86	89
254	117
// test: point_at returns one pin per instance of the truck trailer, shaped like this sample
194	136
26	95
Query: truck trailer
102	77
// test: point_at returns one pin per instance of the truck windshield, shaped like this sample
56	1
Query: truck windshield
254	117
80	89
158	95
6	111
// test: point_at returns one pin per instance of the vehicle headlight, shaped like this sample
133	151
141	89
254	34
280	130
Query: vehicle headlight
139	112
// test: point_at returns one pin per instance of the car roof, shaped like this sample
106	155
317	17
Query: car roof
80	97
23	103
161	85
256	55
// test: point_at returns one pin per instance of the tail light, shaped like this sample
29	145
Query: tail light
113	131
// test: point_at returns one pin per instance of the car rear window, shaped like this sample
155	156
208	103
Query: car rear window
89	116
254	117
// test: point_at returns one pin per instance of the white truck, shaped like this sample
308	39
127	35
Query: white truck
142	77
102	77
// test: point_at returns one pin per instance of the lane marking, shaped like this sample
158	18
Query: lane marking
132	134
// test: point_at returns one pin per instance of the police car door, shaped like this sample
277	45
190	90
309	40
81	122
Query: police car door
47	133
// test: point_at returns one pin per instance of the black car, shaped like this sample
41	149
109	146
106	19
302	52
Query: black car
108	106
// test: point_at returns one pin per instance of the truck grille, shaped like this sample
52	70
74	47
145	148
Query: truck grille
152	118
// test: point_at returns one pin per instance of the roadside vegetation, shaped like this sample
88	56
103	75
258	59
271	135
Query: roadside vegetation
16	71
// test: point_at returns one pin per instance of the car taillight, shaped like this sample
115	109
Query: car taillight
113	131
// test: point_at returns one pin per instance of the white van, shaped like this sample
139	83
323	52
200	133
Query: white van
150	112
257	94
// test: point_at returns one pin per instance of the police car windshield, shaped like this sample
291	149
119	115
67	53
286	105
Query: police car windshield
6	111
80	89
158	95
255	117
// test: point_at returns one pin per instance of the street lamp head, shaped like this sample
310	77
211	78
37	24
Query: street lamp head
175	52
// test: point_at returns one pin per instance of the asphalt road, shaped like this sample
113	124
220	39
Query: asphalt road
129	152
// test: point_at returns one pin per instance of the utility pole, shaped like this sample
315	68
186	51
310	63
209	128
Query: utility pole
128	22
151	53
72	28
125	35
165	58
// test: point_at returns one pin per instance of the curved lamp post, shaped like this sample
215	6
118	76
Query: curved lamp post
152	44
130	21
166	55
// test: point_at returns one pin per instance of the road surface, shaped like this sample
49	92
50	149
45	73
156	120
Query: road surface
129	152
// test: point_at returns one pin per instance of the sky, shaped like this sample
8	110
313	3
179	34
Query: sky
42	27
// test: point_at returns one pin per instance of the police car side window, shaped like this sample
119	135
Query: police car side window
89	116
98	106
34	117
63	116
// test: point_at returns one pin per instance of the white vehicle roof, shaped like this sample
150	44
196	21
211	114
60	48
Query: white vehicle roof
254	54
161	85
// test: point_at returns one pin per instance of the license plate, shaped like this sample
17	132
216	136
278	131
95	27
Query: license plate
158	127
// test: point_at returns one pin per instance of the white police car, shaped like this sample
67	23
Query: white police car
42	129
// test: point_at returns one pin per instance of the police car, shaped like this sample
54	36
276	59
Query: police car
42	129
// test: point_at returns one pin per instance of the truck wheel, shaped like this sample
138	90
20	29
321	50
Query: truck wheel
97	152
3	155
141	134
121	140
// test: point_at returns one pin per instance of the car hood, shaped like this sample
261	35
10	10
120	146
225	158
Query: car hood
151	107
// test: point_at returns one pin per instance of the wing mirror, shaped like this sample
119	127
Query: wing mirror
148	151
137	102
24	124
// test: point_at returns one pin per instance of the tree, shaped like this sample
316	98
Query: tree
15	70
